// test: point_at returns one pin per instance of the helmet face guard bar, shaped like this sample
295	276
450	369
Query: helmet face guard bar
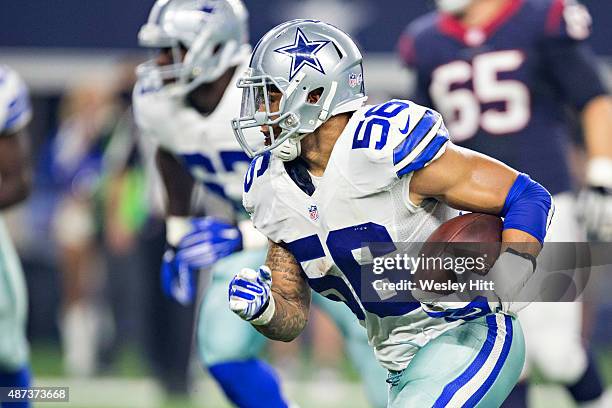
255	112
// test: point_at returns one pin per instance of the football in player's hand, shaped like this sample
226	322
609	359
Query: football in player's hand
462	245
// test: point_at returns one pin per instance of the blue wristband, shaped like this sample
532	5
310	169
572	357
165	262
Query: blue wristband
528	207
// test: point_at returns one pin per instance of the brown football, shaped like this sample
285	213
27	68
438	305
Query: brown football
470	236
472	227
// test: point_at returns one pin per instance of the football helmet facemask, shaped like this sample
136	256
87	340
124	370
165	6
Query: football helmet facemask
214	34
298	58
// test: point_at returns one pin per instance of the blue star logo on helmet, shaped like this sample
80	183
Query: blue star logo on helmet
303	53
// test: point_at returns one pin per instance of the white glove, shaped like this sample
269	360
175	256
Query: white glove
595	201
250	295
510	276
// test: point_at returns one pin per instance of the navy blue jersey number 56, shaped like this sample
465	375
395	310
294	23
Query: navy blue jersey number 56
341	244
378	116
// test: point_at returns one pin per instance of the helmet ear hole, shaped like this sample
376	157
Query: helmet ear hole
314	96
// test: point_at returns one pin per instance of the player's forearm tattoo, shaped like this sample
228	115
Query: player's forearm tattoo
291	296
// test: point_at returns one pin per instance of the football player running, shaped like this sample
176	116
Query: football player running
184	100
502	74
378	173
15	113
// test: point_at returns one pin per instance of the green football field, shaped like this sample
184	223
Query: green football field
130	387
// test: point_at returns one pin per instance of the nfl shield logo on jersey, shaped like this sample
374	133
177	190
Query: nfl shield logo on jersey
314	212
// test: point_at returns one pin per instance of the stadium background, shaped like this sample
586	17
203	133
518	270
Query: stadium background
67	46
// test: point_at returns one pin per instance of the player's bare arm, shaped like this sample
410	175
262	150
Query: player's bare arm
470	181
291	296
597	125
177	181
15	172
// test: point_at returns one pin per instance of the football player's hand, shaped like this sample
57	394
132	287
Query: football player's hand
595	201
178	280
596	211
207	241
250	295
507	291
510	276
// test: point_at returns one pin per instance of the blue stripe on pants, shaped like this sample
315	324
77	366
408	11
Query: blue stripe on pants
451	389
478	395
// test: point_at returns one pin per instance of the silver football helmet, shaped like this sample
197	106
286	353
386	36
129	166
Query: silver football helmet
453	6
214	32
295	59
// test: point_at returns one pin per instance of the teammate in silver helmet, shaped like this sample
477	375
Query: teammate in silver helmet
183	101
204	38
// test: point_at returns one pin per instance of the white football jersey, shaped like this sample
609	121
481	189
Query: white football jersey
362	197
205	144
15	109
15	113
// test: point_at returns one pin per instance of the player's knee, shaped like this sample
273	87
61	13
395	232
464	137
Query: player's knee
564	365
13	353
219	349
229	343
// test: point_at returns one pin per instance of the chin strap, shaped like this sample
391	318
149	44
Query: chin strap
289	150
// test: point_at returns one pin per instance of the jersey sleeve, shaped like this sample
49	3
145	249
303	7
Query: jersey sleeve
140	108
567	20
156	116
393	140
571	62
259	198
420	142
15	108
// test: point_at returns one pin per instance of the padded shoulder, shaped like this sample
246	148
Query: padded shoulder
561	19
15	108
260	198
385	142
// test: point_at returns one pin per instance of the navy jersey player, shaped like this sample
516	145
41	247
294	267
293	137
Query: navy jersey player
183	102
335	175
503	74
15	182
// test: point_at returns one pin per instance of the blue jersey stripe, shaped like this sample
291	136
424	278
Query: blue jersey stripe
17	109
306	249
478	395
426	155
427	122
451	388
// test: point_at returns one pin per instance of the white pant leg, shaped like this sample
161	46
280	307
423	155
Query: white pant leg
14	350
